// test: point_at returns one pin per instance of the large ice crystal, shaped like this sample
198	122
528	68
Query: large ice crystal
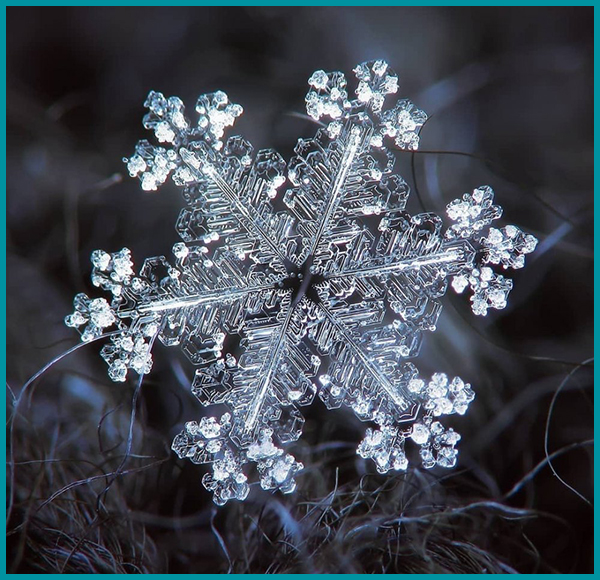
311	273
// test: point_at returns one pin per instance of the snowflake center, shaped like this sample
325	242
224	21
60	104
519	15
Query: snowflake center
302	281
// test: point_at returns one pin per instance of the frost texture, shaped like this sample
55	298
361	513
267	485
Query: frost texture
313	271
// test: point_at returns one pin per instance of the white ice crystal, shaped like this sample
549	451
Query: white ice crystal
312	272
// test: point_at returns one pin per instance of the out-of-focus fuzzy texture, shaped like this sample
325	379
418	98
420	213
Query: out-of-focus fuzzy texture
511	86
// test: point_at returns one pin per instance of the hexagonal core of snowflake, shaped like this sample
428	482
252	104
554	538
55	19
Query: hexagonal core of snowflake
302	280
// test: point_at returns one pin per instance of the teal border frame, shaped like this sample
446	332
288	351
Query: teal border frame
295	4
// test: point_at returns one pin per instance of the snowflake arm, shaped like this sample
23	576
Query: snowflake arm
228	191
354	366
265	355
341	171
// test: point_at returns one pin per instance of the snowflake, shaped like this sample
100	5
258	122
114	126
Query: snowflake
313	271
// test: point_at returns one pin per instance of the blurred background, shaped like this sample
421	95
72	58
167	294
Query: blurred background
509	95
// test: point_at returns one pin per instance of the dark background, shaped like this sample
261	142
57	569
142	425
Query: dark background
510	86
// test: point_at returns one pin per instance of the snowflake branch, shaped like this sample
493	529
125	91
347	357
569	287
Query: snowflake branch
336	192
222	295
241	211
271	363
401	397
447	256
